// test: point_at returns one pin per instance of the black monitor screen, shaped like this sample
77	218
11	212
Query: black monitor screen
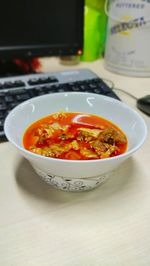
41	28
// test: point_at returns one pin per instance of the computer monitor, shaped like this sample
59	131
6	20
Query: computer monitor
33	28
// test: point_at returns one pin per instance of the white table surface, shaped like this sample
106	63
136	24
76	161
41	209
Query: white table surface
108	226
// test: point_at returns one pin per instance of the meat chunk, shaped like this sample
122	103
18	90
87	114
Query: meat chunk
111	136
104	150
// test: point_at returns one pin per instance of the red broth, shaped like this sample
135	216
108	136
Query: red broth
75	136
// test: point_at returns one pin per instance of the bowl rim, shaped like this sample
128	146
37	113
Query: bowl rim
36	156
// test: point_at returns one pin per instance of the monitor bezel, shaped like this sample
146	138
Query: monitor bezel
31	51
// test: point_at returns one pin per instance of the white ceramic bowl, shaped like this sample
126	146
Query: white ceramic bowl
71	175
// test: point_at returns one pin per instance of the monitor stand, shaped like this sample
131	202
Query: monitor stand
17	67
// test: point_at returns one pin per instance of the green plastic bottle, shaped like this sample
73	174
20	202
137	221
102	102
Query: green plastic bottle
95	21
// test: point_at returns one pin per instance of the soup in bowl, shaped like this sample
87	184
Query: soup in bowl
75	136
75	140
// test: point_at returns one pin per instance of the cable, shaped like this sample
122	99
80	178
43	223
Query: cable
112	86
131	95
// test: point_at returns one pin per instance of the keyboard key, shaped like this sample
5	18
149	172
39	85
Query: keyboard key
75	88
16	91
39	91
33	81
52	79
12	105
22	97
1	86
3	107
2	93
63	88
2	114
9	98
55	87
1	100
8	85
32	93
19	83
103	87
92	86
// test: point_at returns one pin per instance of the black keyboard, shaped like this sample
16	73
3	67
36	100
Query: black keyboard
15	90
